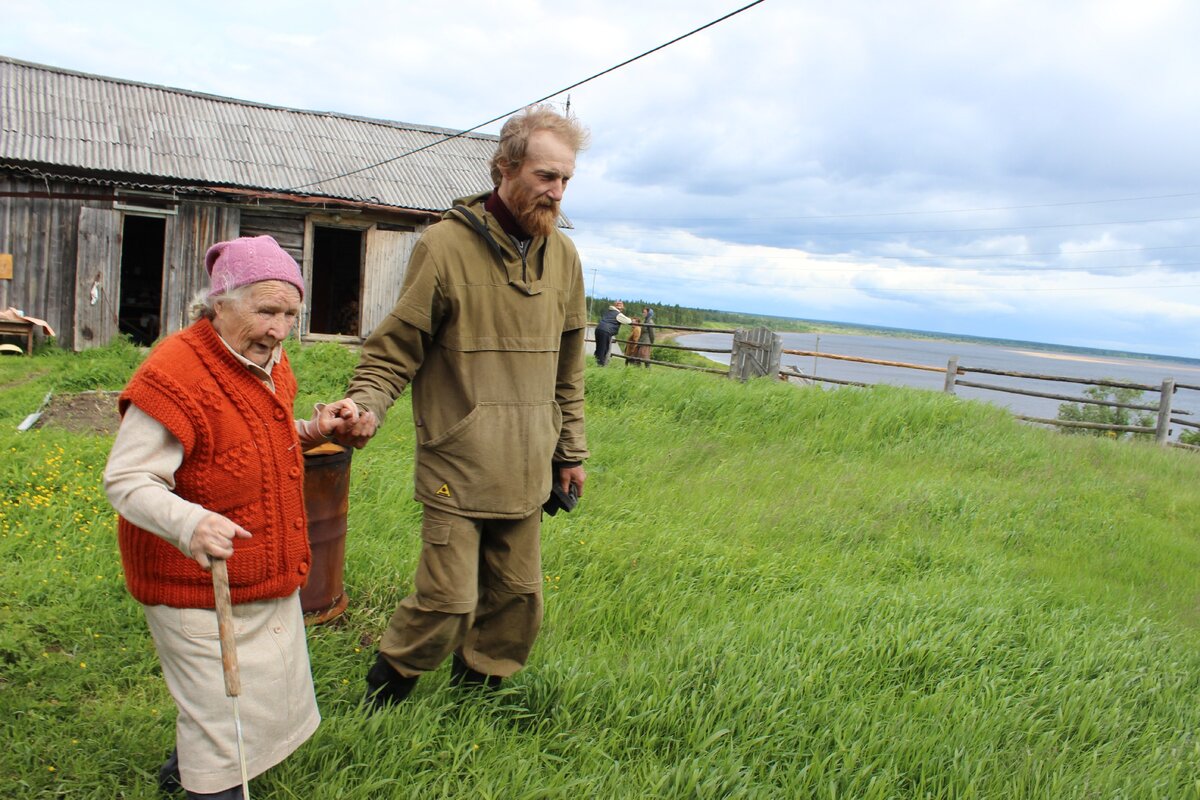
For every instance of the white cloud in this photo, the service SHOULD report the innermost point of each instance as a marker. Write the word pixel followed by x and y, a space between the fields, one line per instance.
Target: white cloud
pixel 879 163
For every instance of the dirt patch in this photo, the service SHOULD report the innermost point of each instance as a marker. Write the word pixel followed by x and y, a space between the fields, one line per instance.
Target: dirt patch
pixel 86 412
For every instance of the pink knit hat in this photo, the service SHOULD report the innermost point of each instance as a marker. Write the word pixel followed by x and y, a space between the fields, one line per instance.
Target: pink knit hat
pixel 249 260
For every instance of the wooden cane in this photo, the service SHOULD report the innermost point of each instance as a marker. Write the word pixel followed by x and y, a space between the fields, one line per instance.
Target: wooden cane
pixel 229 659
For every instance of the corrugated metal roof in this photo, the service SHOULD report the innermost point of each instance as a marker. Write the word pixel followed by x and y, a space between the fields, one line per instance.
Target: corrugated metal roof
pixel 64 119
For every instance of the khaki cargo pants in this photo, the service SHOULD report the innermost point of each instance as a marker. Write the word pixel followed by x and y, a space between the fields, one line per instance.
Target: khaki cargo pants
pixel 478 591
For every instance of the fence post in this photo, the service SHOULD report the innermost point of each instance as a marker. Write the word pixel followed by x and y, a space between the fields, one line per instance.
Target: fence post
pixel 1164 411
pixel 951 374
pixel 755 353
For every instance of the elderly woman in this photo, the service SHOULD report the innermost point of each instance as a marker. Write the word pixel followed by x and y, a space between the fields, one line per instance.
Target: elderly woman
pixel 207 464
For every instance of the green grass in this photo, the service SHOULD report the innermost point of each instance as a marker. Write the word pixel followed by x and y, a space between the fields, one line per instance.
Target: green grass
pixel 768 591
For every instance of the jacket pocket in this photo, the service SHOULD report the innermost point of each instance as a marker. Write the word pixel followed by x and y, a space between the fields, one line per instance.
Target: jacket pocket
pixel 496 460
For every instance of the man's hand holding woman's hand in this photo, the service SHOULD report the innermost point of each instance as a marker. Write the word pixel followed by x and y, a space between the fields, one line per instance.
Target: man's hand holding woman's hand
pixel 334 419
pixel 356 430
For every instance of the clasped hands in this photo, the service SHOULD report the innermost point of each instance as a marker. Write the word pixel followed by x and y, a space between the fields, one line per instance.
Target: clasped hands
pixel 345 423
pixel 348 425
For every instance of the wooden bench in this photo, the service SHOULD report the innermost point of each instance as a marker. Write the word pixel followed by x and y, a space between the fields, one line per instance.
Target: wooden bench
pixel 19 329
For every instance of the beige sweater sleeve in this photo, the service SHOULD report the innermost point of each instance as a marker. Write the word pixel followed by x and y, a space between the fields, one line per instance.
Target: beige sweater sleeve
pixel 140 480
pixel 140 476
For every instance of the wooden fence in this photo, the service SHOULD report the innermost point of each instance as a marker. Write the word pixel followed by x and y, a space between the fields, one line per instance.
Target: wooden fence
pixel 756 353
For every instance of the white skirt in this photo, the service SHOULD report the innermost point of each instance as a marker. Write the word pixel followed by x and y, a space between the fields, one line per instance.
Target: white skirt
pixel 277 704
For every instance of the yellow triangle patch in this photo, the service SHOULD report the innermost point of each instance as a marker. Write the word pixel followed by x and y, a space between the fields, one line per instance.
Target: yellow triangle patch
pixel 444 491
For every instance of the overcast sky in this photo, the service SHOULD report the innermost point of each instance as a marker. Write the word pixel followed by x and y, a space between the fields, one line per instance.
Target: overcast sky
pixel 1026 170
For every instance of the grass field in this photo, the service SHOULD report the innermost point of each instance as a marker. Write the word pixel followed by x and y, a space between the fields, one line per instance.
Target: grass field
pixel 767 592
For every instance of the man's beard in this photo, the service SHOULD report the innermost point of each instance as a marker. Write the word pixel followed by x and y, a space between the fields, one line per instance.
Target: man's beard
pixel 538 216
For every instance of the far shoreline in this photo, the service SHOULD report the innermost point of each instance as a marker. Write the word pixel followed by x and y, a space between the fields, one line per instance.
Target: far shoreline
pixel 1063 351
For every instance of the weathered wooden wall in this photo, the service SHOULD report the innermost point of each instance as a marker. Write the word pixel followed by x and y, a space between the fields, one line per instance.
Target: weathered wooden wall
pixel 53 278
pixel 39 226
pixel 287 229
pixel 197 227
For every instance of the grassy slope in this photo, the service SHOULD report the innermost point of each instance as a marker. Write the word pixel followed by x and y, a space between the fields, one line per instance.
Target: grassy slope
pixel 768 591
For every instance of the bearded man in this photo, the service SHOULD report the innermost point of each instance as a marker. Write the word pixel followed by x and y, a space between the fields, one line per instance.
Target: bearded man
pixel 489 329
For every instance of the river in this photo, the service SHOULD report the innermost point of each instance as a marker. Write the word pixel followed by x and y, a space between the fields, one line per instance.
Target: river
pixel 1006 357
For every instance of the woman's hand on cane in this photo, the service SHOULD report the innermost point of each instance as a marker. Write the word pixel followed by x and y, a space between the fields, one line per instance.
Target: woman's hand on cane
pixel 214 537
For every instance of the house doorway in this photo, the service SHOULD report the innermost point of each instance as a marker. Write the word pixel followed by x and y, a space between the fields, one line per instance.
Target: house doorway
pixel 336 281
pixel 142 250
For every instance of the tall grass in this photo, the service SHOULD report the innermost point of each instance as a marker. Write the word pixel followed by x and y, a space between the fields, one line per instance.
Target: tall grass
pixel 766 592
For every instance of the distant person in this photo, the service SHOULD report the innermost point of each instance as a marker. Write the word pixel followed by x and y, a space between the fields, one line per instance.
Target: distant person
pixel 631 341
pixel 207 464
pixel 648 324
pixel 489 329
pixel 637 351
pixel 607 329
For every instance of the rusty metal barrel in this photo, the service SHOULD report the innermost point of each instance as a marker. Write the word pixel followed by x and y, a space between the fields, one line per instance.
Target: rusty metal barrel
pixel 326 499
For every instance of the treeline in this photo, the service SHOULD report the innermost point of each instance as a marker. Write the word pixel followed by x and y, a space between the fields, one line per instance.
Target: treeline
pixel 665 314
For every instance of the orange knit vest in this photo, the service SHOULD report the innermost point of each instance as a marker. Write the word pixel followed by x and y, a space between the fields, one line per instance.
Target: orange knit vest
pixel 241 459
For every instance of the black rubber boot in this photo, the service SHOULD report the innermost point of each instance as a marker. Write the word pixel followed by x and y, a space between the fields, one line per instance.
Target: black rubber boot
pixel 463 676
pixel 385 686
pixel 168 783
pixel 168 775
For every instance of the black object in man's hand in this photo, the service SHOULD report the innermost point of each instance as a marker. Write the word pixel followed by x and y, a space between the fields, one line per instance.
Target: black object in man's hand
pixel 560 500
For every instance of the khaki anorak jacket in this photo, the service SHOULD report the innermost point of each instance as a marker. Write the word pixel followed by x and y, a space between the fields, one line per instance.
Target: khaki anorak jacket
pixel 492 342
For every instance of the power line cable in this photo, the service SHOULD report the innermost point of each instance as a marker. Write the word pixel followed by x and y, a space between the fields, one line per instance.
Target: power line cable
pixel 577 84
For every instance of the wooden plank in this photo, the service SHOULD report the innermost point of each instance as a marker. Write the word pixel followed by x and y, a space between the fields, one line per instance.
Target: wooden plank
pixel 951 375
pixel 288 230
pixel 1067 397
pixel 383 273
pixel 197 227
pixel 1164 412
pixel 1145 387
pixel 670 364
pixel 836 357
pixel 824 380
pixel 97 279
pixel 678 347
pixel 1099 426
pixel 52 280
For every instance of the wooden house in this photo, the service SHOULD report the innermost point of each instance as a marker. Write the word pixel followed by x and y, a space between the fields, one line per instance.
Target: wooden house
pixel 111 191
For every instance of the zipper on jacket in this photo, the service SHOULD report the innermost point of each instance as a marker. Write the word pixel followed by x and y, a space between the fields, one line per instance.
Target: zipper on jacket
pixel 478 225
pixel 523 249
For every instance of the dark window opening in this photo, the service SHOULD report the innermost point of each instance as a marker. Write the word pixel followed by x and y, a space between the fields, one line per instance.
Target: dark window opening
pixel 142 248
pixel 336 281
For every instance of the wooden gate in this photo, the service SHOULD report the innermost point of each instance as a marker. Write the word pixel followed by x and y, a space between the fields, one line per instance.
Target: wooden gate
pixel 755 354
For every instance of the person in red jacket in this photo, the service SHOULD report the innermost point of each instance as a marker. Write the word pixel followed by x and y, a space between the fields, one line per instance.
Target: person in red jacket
pixel 207 463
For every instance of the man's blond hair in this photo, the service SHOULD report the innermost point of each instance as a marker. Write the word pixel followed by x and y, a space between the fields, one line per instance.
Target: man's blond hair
pixel 514 136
